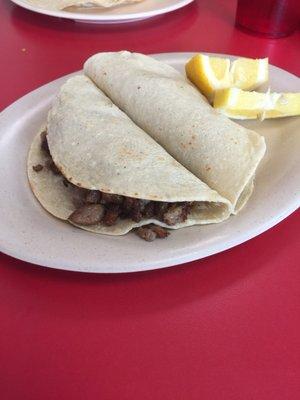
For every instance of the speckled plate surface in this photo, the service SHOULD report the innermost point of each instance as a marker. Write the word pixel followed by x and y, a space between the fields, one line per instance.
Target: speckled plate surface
pixel 121 14
pixel 31 234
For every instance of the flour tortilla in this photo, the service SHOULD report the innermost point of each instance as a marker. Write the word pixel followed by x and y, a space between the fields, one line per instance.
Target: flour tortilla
pixel 97 147
pixel 62 4
pixel 169 108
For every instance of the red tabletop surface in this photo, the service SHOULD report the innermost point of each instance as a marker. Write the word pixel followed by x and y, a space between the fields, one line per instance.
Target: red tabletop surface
pixel 226 327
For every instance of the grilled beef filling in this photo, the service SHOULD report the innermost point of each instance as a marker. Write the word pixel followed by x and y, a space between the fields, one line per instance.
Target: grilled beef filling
pixel 93 206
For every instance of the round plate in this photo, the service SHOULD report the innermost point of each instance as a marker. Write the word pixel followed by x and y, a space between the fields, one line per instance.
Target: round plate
pixel 121 14
pixel 31 234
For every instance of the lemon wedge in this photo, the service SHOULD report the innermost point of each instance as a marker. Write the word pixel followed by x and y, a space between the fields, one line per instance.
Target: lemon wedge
pixel 240 104
pixel 211 74
pixel 249 74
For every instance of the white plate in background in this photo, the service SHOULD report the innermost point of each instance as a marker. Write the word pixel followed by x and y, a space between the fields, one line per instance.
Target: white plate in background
pixel 29 233
pixel 121 14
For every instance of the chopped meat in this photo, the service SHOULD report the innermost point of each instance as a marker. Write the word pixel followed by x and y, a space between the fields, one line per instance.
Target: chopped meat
pixel 93 197
pixel 52 167
pixel 107 198
pixel 151 232
pixel 176 214
pixel 111 215
pixel 44 142
pixel 136 212
pixel 160 208
pixel 146 233
pixel 144 203
pixel 136 215
pixel 133 208
pixel 161 232
pixel 128 204
pixel 123 214
pixel 78 201
pixel 37 168
pixel 187 209
pixel 87 215
pixel 79 195
pixel 149 210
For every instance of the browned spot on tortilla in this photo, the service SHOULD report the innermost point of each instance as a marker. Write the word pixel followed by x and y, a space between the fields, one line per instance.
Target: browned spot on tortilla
pixel 190 143
pixel 37 168
pixel 183 145
pixel 136 194
pixel 104 73
pixel 207 168
pixel 138 87
pixel 124 152
pixel 193 136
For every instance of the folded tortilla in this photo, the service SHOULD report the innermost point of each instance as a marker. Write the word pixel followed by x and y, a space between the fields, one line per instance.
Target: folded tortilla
pixel 62 4
pixel 96 146
pixel 168 107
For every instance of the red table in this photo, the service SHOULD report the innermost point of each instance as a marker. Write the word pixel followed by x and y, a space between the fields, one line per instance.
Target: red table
pixel 226 327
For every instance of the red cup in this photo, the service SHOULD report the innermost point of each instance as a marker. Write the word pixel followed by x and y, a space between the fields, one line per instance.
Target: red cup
pixel 270 18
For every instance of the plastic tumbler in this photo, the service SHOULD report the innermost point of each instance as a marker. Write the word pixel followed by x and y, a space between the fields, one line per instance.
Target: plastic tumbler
pixel 271 18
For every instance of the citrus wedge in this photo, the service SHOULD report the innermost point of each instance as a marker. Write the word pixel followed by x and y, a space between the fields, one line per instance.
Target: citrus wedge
pixel 211 74
pixel 249 74
pixel 240 104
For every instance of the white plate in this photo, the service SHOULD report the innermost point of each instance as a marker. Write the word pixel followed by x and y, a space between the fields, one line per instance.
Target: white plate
pixel 31 234
pixel 121 14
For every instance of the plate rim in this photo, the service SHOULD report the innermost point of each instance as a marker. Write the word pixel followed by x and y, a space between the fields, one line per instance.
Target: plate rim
pixel 129 17
pixel 166 261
